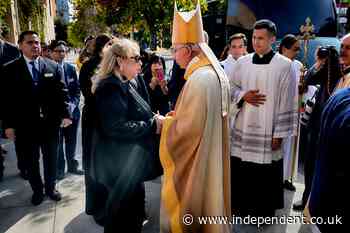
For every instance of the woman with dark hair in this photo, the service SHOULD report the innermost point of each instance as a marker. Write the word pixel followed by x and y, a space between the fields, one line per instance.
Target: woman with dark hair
pixel 326 73
pixel 85 54
pixel 157 84
pixel 95 193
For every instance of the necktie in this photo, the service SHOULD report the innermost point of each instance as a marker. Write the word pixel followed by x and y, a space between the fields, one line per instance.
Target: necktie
pixel 64 75
pixel 35 72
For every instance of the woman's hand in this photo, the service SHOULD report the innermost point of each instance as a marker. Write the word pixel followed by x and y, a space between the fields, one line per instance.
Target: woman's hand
pixel 163 86
pixel 154 82
pixel 319 63
pixel 159 120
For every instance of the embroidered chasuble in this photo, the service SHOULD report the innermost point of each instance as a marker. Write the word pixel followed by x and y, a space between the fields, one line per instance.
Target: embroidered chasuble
pixel 194 153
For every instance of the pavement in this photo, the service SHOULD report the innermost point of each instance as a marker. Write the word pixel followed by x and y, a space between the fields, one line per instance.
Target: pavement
pixel 17 215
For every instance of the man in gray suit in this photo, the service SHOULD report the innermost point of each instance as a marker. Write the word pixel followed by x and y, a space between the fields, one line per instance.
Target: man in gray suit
pixel 68 135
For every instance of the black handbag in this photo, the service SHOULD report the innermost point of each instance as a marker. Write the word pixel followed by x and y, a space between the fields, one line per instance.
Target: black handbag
pixel 153 168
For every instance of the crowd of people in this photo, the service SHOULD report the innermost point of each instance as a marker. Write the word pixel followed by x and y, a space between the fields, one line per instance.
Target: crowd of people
pixel 224 135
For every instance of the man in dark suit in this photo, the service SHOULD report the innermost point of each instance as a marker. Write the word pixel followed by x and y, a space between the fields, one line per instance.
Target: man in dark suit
pixel 68 135
pixel 35 110
pixel 328 194
pixel 8 52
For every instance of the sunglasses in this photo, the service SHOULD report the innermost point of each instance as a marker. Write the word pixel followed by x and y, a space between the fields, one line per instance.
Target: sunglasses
pixel 59 51
pixel 136 58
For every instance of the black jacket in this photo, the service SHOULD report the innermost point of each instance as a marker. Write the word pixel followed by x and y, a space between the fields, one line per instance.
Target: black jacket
pixel 319 77
pixel 8 52
pixel 29 106
pixel 124 140
pixel 159 101
pixel 87 71
pixel 176 84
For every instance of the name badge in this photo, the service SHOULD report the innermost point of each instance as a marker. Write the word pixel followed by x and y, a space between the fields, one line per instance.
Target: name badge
pixel 48 75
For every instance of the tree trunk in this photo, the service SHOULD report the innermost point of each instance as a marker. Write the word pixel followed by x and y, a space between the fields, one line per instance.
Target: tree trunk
pixel 153 39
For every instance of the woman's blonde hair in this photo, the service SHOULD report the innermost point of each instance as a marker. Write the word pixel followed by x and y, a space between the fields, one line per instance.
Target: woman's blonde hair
pixel 121 47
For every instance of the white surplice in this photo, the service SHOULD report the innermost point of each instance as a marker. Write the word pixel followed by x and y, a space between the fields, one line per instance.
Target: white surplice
pixel 254 127
pixel 228 65
pixel 290 144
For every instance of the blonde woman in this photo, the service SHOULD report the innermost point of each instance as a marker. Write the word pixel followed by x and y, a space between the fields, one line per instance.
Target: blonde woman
pixel 124 144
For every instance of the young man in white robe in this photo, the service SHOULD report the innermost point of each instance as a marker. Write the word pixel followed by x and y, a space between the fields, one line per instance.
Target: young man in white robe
pixel 290 47
pixel 264 89
pixel 237 48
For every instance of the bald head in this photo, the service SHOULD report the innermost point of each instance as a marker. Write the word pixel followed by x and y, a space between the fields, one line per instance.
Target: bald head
pixel 345 50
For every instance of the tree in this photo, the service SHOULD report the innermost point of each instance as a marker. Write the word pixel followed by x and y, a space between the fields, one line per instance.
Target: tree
pixel 153 17
pixel 88 20
pixel 149 20
pixel 4 9
pixel 60 30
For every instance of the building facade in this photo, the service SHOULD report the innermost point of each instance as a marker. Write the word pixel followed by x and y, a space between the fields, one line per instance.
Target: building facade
pixel 13 21
pixel 64 11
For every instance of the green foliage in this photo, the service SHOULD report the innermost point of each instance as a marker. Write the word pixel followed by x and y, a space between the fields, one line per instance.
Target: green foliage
pixel 4 10
pixel 152 18
pixel 148 20
pixel 186 5
pixel 32 11
pixel 89 19
pixel 75 37
pixel 4 7
pixel 60 30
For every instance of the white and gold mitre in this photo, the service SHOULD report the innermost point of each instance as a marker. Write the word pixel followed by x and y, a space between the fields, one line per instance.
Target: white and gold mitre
pixel 187 26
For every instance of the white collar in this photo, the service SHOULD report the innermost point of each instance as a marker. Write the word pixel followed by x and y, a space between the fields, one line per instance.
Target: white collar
pixel 230 58
pixel 29 60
